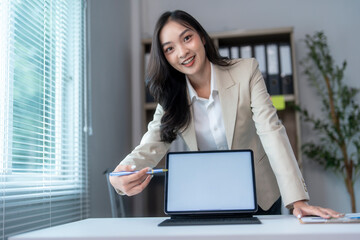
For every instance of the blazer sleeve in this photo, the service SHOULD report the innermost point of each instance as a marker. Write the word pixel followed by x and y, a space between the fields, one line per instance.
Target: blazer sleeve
pixel 151 149
pixel 275 141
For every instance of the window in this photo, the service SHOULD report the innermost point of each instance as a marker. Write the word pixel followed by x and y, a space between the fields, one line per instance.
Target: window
pixel 43 170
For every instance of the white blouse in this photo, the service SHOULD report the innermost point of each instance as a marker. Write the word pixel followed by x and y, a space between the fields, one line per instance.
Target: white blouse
pixel 208 119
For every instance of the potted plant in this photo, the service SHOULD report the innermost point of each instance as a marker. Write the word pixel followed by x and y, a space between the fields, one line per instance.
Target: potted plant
pixel 338 146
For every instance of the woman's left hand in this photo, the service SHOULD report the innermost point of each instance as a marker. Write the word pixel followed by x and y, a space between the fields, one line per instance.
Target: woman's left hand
pixel 302 209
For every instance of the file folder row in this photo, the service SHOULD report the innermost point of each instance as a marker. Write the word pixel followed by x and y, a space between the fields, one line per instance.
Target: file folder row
pixel 274 63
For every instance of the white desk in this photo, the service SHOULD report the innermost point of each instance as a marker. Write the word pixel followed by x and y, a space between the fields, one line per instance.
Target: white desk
pixel 272 227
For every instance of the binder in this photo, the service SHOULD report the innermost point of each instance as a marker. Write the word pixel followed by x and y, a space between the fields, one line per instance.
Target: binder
pixel 259 51
pixel 245 51
pixel 273 69
pixel 234 52
pixel 146 60
pixel 224 52
pixel 148 97
pixel 286 69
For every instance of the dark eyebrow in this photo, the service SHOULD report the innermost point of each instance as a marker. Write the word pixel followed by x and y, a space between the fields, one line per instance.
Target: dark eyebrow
pixel 185 31
pixel 181 34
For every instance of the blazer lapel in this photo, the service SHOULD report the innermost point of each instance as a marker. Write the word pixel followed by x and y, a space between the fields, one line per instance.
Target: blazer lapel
pixel 228 94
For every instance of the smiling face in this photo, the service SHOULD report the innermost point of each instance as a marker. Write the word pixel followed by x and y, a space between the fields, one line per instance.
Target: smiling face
pixel 183 49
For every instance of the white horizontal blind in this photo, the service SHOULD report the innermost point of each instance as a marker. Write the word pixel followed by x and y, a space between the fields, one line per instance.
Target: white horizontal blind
pixel 42 144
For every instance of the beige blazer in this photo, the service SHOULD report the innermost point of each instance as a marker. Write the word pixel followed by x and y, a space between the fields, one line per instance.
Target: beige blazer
pixel 250 122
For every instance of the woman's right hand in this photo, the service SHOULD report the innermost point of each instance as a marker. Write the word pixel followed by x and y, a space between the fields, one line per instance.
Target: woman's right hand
pixel 130 184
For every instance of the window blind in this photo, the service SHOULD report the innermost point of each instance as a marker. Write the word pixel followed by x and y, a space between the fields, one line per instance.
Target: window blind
pixel 42 143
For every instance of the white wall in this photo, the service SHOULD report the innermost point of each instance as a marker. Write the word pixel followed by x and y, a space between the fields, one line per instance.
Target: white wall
pixel 110 76
pixel 339 19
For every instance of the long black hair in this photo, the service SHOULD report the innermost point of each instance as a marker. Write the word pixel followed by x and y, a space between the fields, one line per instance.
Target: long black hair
pixel 166 84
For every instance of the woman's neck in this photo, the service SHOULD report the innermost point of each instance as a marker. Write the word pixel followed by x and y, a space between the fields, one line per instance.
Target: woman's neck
pixel 201 82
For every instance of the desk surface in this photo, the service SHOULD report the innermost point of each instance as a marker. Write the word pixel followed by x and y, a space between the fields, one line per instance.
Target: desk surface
pixel 272 227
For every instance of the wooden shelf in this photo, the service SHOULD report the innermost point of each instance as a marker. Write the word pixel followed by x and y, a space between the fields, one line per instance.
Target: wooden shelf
pixel 150 106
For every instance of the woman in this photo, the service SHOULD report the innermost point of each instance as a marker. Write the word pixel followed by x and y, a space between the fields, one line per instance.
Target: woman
pixel 214 103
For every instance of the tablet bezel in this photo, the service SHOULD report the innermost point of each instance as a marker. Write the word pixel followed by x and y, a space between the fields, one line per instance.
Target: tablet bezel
pixel 212 212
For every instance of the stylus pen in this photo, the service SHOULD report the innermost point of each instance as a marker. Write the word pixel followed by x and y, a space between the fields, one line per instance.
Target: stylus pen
pixel 153 171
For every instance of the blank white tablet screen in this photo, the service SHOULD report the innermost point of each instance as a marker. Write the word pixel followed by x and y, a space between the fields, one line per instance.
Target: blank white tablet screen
pixel 214 181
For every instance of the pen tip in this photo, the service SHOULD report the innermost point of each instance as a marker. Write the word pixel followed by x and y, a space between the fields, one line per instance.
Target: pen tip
pixel 165 170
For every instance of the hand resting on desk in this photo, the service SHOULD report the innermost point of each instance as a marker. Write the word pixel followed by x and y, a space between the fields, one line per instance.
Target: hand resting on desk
pixel 302 209
pixel 130 184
